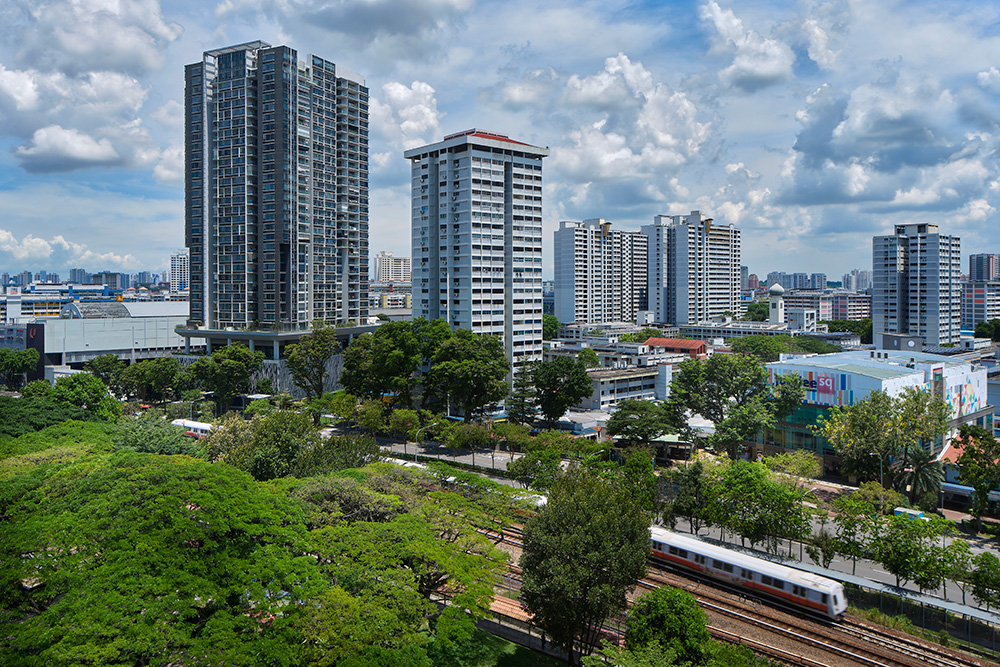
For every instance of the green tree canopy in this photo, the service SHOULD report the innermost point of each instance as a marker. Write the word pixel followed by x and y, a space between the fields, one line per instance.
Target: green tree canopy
pixel 671 617
pixel 151 380
pixel 861 327
pixel 151 432
pixel 979 465
pixel 107 367
pixel 472 369
pixel 589 358
pixel 561 384
pixel 583 552
pixel 640 421
pixel 733 392
pixel 757 311
pixel 307 359
pixel 143 559
pixel 227 371
pixel 641 336
pixel 988 329
pixel 758 508
pixel 522 402
pixel 86 391
pixel 550 327
pixel 15 365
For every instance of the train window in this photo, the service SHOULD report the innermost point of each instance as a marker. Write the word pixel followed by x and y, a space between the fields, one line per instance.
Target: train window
pixel 728 567
pixel 798 590
pixel 717 564
pixel 673 551
pixel 745 573
pixel 682 553
pixel 698 558
pixel 825 598
pixel 778 583
pixel 766 580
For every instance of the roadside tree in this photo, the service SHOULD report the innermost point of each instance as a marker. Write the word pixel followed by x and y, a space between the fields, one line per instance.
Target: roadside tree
pixel 561 384
pixel 227 371
pixel 639 421
pixel 307 360
pixel 583 552
pixel 979 466
pixel 472 370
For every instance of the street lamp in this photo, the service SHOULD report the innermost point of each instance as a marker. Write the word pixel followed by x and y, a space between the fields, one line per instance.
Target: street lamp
pixel 416 438
pixel 880 481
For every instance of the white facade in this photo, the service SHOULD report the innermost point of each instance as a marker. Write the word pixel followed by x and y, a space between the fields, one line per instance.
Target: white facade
pixel 611 386
pixel 917 288
pixel 980 303
pixel 600 273
pixel 391 269
pixel 180 270
pixel 693 268
pixel 477 237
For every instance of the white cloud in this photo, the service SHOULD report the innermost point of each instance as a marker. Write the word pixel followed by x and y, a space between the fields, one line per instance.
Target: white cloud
pixel 403 117
pixel 819 44
pixel 170 115
pixel 758 62
pixel 170 168
pixel 55 148
pixel 77 36
pixel 989 80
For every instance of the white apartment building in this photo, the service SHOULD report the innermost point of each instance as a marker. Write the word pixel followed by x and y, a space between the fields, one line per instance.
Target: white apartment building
pixel 917 288
pixel 180 270
pixel 858 280
pixel 831 304
pixel 477 237
pixel 984 267
pixel 600 273
pixel 980 303
pixel 693 269
pixel 391 269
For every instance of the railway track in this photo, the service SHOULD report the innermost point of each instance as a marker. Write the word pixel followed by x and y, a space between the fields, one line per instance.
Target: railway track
pixel 802 641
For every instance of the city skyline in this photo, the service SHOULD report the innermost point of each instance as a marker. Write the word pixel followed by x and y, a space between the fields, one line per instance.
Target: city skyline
pixel 809 127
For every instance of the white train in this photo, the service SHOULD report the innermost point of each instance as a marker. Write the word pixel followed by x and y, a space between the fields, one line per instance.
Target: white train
pixel 193 428
pixel 802 589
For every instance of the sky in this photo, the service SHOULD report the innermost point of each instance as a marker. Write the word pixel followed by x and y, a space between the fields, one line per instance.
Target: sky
pixel 811 126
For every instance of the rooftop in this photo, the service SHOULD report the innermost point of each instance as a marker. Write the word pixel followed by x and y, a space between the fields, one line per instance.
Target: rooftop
pixel 682 343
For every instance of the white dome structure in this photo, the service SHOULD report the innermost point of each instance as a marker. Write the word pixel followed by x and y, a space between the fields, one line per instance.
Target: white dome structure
pixel 776 290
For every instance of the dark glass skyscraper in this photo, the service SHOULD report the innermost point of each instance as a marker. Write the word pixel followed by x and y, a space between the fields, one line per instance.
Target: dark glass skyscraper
pixel 276 188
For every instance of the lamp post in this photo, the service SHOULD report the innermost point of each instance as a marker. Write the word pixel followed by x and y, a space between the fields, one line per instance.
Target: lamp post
pixel 880 480
pixel 416 438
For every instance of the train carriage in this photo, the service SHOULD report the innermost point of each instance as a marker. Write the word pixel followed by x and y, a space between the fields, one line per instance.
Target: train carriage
pixel 801 589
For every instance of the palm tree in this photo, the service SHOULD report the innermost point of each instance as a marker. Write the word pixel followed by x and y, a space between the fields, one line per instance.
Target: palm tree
pixel 921 473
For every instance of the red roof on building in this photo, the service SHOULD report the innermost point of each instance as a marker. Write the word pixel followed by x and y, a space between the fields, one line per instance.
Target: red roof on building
pixel 676 343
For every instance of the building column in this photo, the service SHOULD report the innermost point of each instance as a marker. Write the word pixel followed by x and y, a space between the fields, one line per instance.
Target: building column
pixel 277 354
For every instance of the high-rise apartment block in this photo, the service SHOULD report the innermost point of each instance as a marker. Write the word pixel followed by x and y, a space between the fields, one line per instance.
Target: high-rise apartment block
pixel 391 269
pixel 858 280
pixel 276 188
pixel 180 270
pixel 984 267
pixel 600 273
pixel 980 303
pixel 917 287
pixel 693 269
pixel 477 237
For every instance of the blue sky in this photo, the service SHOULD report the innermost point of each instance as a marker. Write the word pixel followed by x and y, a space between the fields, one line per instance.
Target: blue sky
pixel 810 125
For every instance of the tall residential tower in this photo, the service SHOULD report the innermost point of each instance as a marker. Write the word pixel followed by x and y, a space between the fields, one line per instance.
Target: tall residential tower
pixel 600 273
pixel 917 284
pixel 477 237
pixel 276 188
pixel 693 269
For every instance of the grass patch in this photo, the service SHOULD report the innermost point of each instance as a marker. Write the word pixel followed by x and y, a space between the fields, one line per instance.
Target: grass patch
pixel 901 624
pixel 486 650
pixel 61 443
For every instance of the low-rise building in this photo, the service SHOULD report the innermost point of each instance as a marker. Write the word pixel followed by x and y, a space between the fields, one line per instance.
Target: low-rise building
pixel 611 386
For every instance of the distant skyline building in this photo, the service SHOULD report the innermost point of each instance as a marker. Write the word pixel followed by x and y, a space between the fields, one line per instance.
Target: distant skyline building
pixel 980 303
pixel 917 286
pixel 477 237
pixel 693 269
pixel 600 273
pixel 857 280
pixel 180 270
pixel 389 268
pixel 984 267
pixel 276 188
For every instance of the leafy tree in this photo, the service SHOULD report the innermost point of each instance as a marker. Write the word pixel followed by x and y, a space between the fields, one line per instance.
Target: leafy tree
pixel 108 368
pixel 920 474
pixel 879 427
pixel 258 406
pixel 15 364
pixel 404 422
pixel 911 549
pixel 979 466
pixel 671 617
pixel 589 358
pixel 959 560
pixel 342 405
pixel 150 560
pixel 757 311
pixel 695 495
pixel 641 336
pixel 756 507
pixel 19 416
pixel 650 655
pixel 538 469
pixel 522 402
pixel 471 368
pixel 371 416
pixel 266 447
pixel 765 348
pixel 561 384
pixel 150 432
pixel 550 326
pixel 855 521
pixel 86 391
pixel 384 363
pixel 986 579
pixel 733 392
pixel 151 380
pixel 511 435
pixel 583 552
pixel 227 371
pixel 861 327
pixel 988 329
pixel 37 389
pixel 639 421
pixel 337 452
pixel 307 359
pixel 799 464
